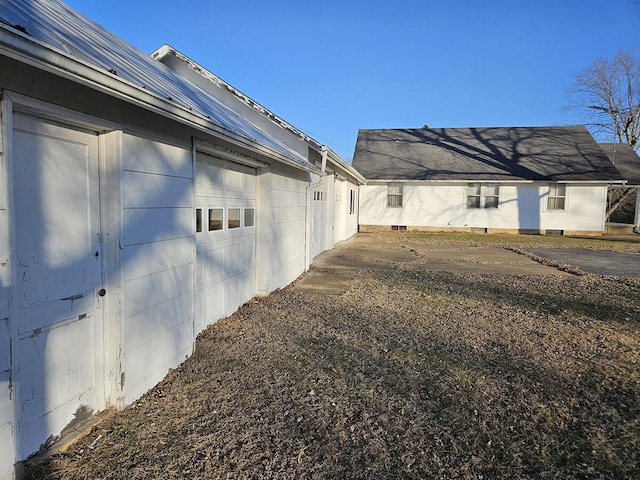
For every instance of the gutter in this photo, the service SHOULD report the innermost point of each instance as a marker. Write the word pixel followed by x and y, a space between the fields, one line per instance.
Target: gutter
pixel 35 53
pixel 373 181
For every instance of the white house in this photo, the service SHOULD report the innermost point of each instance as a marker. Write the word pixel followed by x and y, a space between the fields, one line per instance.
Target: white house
pixel 548 180
pixel 140 201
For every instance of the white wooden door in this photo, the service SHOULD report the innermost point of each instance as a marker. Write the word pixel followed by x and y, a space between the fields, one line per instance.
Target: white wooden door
pixel 319 221
pixel 57 262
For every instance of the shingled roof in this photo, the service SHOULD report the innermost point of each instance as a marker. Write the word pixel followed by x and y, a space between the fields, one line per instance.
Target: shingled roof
pixel 625 159
pixel 566 153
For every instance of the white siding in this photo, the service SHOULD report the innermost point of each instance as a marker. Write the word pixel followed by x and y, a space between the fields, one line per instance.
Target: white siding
pixel 6 410
pixel 286 236
pixel 157 260
pixel 584 209
pixel 346 210
pixel 522 206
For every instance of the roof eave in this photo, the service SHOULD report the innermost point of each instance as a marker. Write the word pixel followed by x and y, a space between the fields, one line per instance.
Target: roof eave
pixel 489 180
pixel 349 169
pixel 37 54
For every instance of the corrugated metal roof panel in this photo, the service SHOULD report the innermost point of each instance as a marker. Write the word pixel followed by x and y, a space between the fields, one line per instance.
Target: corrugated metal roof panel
pixel 64 29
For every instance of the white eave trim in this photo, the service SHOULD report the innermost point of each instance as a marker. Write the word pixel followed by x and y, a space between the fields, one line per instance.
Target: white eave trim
pixel 32 52
pixel 335 159
pixel 577 182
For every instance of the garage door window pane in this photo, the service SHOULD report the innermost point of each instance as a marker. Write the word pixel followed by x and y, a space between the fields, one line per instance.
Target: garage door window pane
pixel 215 219
pixel 234 218
pixel 248 217
pixel 198 219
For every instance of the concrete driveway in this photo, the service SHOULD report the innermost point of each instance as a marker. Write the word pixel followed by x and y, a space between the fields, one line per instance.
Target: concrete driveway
pixel 332 271
pixel 598 262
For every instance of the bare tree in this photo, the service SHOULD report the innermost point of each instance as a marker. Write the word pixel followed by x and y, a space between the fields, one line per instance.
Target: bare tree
pixel 606 96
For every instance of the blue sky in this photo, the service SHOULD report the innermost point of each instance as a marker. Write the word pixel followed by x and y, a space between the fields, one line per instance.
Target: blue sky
pixel 332 67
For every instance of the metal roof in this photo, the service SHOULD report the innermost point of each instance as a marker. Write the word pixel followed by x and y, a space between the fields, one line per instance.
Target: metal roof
pixel 483 154
pixel 65 30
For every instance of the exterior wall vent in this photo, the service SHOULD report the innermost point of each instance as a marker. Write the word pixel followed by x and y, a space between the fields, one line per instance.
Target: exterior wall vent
pixel 402 228
pixel 478 230
pixel 554 232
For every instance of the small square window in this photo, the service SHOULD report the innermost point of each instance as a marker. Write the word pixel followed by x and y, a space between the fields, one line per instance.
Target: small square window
pixel 233 220
pixel 215 219
pixel 249 217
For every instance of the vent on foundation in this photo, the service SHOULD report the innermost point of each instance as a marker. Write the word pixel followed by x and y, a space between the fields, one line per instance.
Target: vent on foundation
pixel 554 232
pixel 402 228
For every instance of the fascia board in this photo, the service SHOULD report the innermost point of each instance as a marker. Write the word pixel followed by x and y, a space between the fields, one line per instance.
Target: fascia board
pixel 590 182
pixel 337 161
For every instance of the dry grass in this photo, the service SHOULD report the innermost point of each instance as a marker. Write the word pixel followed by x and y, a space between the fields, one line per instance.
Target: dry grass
pixel 407 375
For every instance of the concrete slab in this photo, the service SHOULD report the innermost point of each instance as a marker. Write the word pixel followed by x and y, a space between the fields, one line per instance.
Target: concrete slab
pixel 334 270
pixel 326 281
pixel 474 254
pixel 594 261
pixel 497 268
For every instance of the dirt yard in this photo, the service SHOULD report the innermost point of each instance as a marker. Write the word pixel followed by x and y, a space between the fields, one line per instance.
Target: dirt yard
pixel 408 374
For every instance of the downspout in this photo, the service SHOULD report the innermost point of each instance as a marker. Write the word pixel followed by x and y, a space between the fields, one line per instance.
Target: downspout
pixel 637 219
pixel 308 205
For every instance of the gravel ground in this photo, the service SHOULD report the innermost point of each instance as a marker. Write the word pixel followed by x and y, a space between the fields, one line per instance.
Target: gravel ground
pixel 409 374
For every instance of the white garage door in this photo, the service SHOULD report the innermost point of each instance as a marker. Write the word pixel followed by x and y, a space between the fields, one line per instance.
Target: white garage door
pixel 58 275
pixel 225 237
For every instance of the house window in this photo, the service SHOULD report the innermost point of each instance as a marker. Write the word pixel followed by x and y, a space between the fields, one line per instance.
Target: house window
pixel 198 220
pixel 473 195
pixel 491 196
pixel 482 196
pixel 352 202
pixel 557 195
pixel 215 219
pixel 394 195
pixel 233 218
pixel 249 215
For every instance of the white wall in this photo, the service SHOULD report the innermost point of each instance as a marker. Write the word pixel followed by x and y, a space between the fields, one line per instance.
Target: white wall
pixel 7 450
pixel 157 260
pixel 345 215
pixel 522 206
pixel 286 226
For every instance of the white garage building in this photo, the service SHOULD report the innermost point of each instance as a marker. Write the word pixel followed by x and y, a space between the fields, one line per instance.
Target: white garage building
pixel 140 201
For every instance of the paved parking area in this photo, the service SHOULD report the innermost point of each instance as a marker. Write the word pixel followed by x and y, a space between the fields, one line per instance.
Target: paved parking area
pixel 598 262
